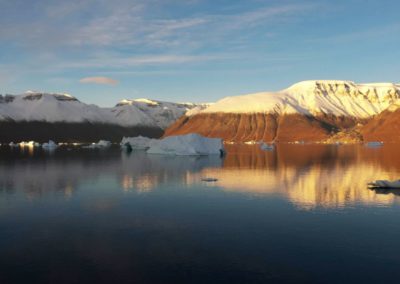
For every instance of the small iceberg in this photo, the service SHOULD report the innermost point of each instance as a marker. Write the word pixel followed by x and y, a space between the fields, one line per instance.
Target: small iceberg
pixel 50 145
pixel 29 144
pixel 102 144
pixel 267 147
pixel 384 184
pixel 186 145
pixel 136 143
pixel 374 144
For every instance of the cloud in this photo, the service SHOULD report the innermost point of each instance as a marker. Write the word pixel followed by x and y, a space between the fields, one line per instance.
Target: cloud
pixel 144 60
pixel 137 23
pixel 99 80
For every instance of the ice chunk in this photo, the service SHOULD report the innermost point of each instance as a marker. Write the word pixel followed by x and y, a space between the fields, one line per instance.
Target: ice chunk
pixel 374 144
pixel 385 184
pixel 28 144
pixel 101 144
pixel 267 147
pixel 190 144
pixel 49 145
pixel 136 143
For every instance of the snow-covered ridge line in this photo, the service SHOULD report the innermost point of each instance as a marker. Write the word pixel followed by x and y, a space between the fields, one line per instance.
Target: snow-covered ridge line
pixel 340 98
pixel 38 106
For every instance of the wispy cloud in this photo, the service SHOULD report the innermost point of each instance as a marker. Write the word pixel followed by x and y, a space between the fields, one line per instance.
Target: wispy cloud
pixel 132 23
pixel 146 60
pixel 99 80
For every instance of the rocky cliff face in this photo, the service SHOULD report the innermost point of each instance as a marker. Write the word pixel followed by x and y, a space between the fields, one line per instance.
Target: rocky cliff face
pixel 307 111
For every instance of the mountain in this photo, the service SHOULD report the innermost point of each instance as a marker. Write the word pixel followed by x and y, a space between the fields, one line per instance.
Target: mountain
pixel 41 116
pixel 150 112
pixel 385 126
pixel 306 111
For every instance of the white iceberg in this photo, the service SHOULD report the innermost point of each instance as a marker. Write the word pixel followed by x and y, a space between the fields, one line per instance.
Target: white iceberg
pixel 49 145
pixel 267 147
pixel 136 143
pixel 385 184
pixel 101 144
pixel 190 144
pixel 28 144
pixel 374 144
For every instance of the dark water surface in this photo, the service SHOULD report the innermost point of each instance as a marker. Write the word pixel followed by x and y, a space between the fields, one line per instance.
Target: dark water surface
pixel 300 214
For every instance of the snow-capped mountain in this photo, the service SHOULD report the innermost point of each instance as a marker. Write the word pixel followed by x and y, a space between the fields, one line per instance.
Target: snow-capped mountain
pixel 150 112
pixel 309 111
pixel 340 98
pixel 34 106
pixel 41 116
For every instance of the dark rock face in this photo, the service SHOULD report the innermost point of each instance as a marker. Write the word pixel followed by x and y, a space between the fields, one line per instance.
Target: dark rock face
pixel 383 127
pixel 240 127
pixel 70 132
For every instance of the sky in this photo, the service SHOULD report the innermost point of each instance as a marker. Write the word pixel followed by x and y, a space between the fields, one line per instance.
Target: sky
pixel 103 51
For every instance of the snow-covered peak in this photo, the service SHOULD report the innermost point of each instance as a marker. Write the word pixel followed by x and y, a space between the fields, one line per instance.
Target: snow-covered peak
pixel 35 96
pixel 146 111
pixel 341 98
pixel 37 106
pixel 56 107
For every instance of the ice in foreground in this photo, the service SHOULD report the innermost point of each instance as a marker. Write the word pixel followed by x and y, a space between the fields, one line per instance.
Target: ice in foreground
pixel 100 144
pixel 267 147
pixel 136 143
pixel 385 184
pixel 49 145
pixel 374 144
pixel 190 144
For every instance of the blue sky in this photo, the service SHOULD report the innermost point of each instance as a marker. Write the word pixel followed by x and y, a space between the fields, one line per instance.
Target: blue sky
pixel 103 51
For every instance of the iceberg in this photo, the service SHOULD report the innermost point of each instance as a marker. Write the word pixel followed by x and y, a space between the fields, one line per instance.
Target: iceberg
pixel 28 144
pixel 374 144
pixel 186 145
pixel 267 147
pixel 100 144
pixel 49 145
pixel 136 143
pixel 384 184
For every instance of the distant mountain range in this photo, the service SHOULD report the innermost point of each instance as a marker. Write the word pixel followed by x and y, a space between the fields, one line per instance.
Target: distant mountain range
pixel 309 111
pixel 316 111
pixel 42 116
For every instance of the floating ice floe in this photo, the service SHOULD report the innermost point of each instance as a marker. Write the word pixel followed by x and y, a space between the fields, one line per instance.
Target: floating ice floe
pixel 100 144
pixel 267 147
pixel 374 144
pixel 190 144
pixel 29 144
pixel 50 145
pixel 136 143
pixel 384 184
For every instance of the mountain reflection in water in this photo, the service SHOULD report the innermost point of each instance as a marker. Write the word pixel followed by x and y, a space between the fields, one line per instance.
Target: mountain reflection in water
pixel 308 176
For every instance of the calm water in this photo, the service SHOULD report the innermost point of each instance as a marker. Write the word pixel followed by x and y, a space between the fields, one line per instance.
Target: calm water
pixel 298 214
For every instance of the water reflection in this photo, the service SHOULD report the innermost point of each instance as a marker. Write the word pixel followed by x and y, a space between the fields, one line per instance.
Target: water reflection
pixel 311 175
pixel 307 176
